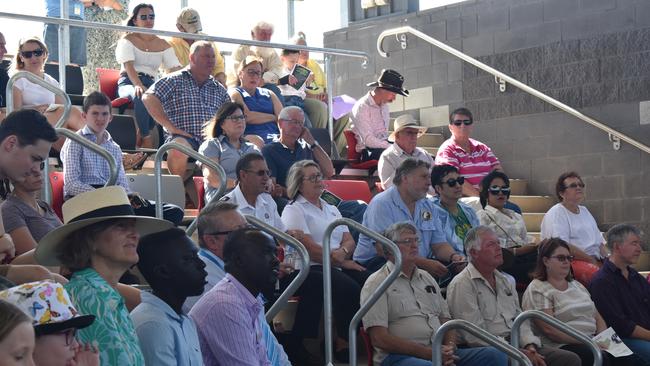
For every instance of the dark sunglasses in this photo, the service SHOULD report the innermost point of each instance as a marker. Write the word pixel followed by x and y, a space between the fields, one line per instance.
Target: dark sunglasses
pixel 260 173
pixel 563 258
pixel 496 189
pixel 452 182
pixel 247 226
pixel 459 122
pixel 575 185
pixel 145 16
pixel 28 54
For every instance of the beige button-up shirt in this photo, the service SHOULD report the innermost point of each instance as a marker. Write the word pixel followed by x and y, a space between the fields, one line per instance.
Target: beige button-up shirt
pixel 470 297
pixel 411 308
pixel 392 157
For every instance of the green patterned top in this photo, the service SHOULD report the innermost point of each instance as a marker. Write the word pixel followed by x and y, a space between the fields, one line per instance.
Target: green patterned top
pixel 113 329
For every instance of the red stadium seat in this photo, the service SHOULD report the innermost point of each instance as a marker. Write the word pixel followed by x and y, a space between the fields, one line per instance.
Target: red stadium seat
pixel 200 191
pixel 349 190
pixel 108 85
pixel 354 157
pixel 56 183
pixel 583 271
pixel 366 341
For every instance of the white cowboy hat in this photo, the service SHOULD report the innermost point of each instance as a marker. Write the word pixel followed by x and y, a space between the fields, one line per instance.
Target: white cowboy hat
pixel 406 121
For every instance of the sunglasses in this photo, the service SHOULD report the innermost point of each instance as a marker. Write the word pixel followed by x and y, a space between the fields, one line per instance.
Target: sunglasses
pixel 241 117
pixel 28 54
pixel 246 226
pixel 260 173
pixel 496 189
pixel 145 16
pixel 575 185
pixel 459 122
pixel 563 258
pixel 314 178
pixel 452 182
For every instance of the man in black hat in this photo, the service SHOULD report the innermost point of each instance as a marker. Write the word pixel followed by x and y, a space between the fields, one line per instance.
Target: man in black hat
pixel 370 115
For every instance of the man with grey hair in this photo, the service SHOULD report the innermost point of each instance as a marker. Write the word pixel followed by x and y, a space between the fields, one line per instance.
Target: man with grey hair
pixel 402 322
pixel 485 297
pixel 621 294
pixel 406 201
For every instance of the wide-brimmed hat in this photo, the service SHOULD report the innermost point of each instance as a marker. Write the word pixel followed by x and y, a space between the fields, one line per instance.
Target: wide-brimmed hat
pixel 89 208
pixel 190 20
pixel 406 121
pixel 391 80
pixel 49 306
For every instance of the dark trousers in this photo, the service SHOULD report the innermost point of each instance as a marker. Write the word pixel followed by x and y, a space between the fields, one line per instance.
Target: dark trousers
pixel 171 212
pixel 587 357
pixel 371 153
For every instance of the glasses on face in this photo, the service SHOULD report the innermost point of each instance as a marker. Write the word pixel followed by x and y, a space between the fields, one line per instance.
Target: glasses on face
pixel 28 54
pixel 145 17
pixel 452 182
pixel 575 185
pixel 458 122
pixel 70 335
pixel 260 173
pixel 253 73
pixel 496 189
pixel 314 178
pixel 227 232
pixel 409 241
pixel 563 258
pixel 241 117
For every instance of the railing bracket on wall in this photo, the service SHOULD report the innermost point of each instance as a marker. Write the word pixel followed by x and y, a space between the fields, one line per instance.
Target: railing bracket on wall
pixel 616 142
pixel 501 82
pixel 401 38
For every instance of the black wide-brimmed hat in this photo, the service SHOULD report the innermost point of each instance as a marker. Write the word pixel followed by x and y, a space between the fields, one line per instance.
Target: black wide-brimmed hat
pixel 391 80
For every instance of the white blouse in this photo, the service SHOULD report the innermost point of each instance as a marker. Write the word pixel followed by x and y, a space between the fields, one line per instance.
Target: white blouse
pixel 34 94
pixel 578 229
pixel 143 61
pixel 507 224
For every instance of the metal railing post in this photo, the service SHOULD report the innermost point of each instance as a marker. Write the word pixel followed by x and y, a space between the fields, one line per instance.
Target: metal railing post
pixel 302 273
pixel 63 32
pixel 536 314
pixel 330 107
pixel 436 343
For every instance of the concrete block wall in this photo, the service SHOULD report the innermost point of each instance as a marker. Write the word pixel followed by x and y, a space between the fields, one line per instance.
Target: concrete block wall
pixel 591 54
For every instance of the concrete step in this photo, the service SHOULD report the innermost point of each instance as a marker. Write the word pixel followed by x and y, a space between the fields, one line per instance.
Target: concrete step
pixel 533 221
pixel 518 187
pixel 431 140
pixel 533 203
pixel 644 262
pixel 431 150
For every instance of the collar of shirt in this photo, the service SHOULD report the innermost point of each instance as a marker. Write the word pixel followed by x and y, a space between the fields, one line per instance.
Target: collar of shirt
pixel 499 279
pixel 397 201
pixel 96 281
pixel 472 143
pixel 398 151
pixel 610 267
pixel 90 135
pixel 186 72
pixel 223 139
pixel 211 257
pixel 300 144
pixel 303 201
pixel 251 302
pixel 155 301
pixel 390 266
pixel 370 101
pixel 241 200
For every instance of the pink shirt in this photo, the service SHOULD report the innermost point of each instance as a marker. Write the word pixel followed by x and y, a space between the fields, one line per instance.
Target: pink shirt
pixel 370 123
pixel 475 165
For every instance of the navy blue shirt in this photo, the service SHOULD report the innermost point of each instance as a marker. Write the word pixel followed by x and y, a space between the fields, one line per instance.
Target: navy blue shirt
pixel 280 158
pixel 623 303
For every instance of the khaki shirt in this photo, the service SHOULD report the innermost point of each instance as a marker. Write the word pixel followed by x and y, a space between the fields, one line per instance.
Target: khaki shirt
pixel 411 308
pixel 470 297
pixel 182 51
pixel 392 157
pixel 271 63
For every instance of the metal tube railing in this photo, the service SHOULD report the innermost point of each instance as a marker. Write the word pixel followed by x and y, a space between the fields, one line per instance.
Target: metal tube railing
pixel 436 343
pixel 536 314
pixel 327 285
pixel 304 269
pixel 191 153
pixel 614 135
pixel 63 33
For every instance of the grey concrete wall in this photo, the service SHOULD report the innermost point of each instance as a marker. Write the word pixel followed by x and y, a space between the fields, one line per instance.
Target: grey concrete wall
pixel 591 54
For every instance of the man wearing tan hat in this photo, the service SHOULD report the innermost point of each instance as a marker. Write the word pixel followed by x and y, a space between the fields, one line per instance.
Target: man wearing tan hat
pixel 405 137
pixel 189 21
pixel 370 114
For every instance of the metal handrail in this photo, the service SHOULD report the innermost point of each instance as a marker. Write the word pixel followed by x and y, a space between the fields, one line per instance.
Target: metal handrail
pixel 615 136
pixel 327 285
pixel 529 314
pixel 189 152
pixel 436 342
pixel 304 269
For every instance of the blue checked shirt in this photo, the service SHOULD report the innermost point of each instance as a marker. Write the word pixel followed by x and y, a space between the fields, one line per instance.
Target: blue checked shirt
pixel 83 168
pixel 188 105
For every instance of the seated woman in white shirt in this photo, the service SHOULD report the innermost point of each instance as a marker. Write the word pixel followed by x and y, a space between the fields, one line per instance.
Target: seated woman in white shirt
pixel 141 56
pixel 310 214
pixel 31 56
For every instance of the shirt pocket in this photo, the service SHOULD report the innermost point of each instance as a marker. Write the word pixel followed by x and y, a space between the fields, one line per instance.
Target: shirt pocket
pixel 487 304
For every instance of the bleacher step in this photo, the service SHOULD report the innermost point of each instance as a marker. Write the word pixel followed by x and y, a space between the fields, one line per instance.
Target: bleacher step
pixel 643 264
pixel 518 187
pixel 431 140
pixel 533 221
pixel 533 203
pixel 431 150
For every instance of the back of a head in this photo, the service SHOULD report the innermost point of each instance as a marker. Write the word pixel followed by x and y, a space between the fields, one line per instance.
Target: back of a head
pixel 207 221
pixel 29 126
pixel 96 98
pixel 239 243
pixel 157 249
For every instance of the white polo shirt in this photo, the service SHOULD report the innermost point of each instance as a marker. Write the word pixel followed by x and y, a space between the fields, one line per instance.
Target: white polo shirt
pixel 265 208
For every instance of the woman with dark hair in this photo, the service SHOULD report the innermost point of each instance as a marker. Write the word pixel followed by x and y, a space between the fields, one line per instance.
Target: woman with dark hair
pixel 16 336
pixel 555 292
pixel 141 55
pixel 225 144
pixel 519 249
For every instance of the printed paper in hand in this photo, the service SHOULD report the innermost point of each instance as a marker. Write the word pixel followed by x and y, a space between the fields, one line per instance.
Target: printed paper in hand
pixel 609 341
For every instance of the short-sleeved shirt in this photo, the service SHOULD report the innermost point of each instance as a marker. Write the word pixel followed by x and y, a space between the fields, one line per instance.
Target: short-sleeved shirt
pixel 227 155
pixel 388 208
pixel 261 101
pixel 189 105
pixel 509 226
pixel 16 214
pixel 182 50
pixel 34 94
pixel 370 123
pixel 112 329
pixel 265 207
pixel 578 229
pixel 166 337
pixel 392 157
pixel 475 165
pixel 456 227
pixel 572 306
pixel 280 158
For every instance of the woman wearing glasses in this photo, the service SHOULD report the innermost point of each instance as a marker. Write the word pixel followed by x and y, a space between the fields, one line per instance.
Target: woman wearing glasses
pixel 519 249
pixel 141 55
pixel 261 106
pixel 31 56
pixel 555 292
pixel 225 144
pixel 308 213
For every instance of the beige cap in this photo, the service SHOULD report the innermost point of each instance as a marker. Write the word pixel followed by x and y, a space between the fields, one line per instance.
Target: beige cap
pixel 190 20
pixel 406 121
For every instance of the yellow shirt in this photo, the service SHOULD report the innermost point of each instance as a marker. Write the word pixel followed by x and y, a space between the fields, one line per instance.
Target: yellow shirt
pixel 182 50
pixel 320 83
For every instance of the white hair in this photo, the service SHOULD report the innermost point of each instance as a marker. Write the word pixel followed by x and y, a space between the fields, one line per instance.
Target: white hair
pixel 473 238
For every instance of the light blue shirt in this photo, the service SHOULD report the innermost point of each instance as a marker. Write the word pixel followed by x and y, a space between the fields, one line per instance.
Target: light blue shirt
pixel 387 208
pixel 166 337
pixel 448 224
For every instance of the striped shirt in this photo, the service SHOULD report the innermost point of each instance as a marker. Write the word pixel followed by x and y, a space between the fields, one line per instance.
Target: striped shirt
pixel 572 306
pixel 475 165
pixel 370 123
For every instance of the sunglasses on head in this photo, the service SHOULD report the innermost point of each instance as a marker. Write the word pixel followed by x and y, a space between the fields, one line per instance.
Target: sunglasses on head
pixel 458 122
pixel 145 16
pixel 452 182
pixel 496 189
pixel 28 54
pixel 575 185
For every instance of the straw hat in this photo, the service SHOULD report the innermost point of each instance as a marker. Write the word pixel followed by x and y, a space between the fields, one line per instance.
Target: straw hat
pixel 406 121
pixel 49 306
pixel 89 208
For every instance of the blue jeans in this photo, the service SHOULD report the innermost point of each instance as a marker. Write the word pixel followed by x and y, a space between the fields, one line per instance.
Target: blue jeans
pixel 294 100
pixel 640 348
pixel 125 89
pixel 77 43
pixel 477 356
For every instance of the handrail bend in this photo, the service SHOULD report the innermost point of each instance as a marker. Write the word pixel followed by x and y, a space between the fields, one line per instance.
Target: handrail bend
pixel 189 152
pixel 614 135
pixel 327 285
pixel 536 314
pixel 436 343
pixel 302 273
